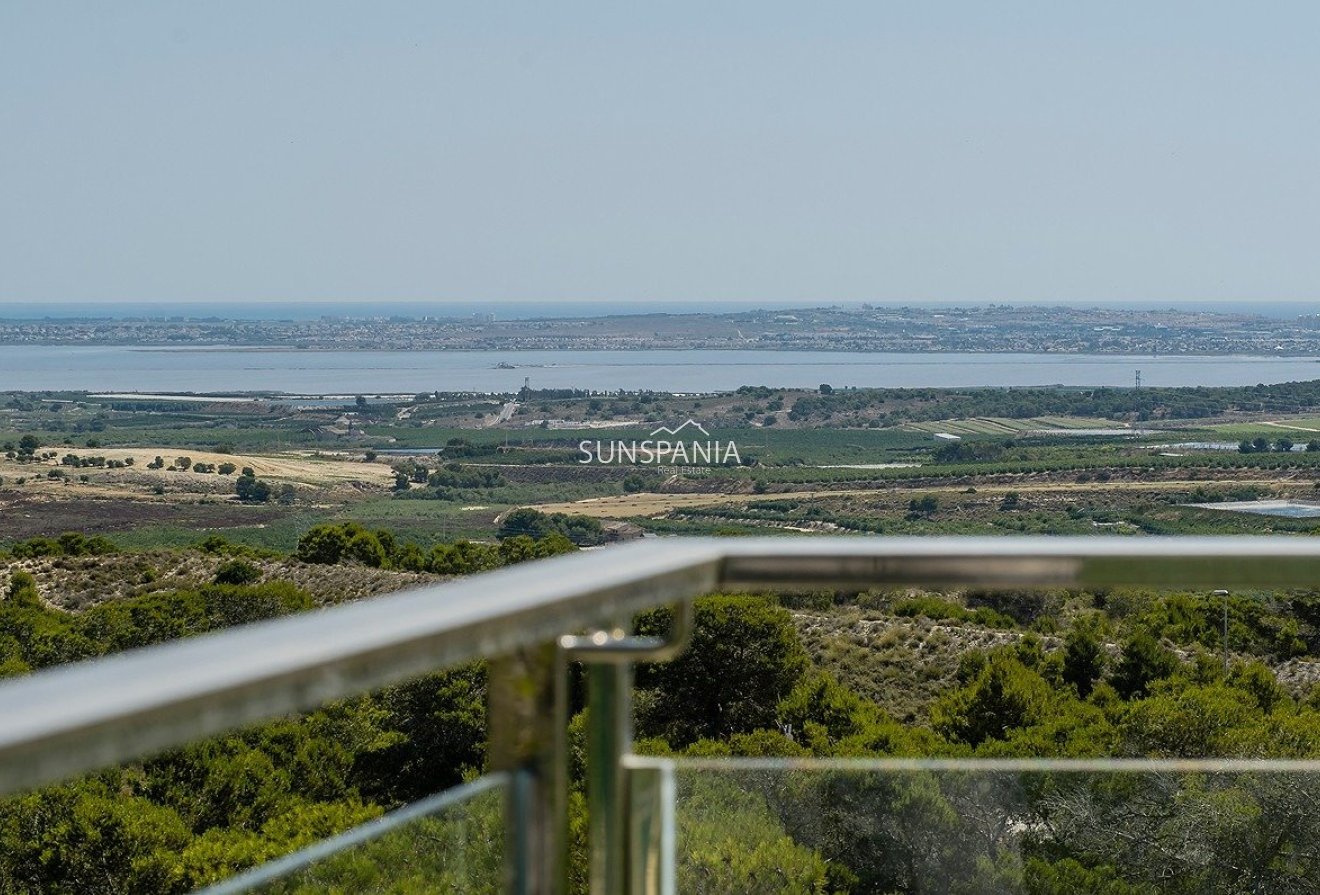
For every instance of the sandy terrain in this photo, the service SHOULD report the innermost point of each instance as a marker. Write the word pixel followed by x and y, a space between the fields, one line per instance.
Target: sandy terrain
pixel 295 467
pixel 140 484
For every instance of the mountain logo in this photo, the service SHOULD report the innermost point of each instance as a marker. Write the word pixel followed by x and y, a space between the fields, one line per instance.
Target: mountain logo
pixel 686 424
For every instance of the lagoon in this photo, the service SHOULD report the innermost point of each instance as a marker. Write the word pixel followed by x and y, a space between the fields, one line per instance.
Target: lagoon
pixel 219 370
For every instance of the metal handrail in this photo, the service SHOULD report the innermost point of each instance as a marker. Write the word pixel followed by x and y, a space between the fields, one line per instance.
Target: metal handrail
pixel 63 721
pixel 67 720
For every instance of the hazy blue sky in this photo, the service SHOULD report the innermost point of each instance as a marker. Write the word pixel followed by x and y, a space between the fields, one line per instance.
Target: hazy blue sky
pixel 769 151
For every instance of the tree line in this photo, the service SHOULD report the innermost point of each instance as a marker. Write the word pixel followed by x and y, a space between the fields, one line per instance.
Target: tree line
pixel 902 404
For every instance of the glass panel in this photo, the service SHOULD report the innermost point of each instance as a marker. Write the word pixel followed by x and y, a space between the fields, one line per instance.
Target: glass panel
pixel 975 828
pixel 452 842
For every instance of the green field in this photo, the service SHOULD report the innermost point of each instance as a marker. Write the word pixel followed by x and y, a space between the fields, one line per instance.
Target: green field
pixel 496 469
pixel 1295 430
pixel 993 425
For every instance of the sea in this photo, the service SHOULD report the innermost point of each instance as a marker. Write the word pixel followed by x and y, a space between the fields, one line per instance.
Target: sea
pixel 332 372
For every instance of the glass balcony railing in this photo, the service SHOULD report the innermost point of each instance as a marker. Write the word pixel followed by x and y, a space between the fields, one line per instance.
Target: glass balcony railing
pixel 719 827
pixel 700 826
pixel 451 842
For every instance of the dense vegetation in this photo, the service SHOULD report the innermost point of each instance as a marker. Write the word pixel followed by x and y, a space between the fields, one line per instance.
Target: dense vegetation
pixel 1022 403
pixel 332 543
pixel 198 814
pixel 991 675
pixel 1121 673
pixel 1139 684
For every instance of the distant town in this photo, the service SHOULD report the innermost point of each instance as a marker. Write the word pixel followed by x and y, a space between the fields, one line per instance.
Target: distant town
pixel 991 328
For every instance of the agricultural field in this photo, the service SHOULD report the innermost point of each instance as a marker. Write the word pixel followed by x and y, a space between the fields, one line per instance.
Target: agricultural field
pixel 129 522
pixel 160 473
pixel 1300 428
pixel 1005 426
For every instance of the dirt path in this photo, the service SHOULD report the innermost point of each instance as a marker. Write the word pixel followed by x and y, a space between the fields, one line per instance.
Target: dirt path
pixel 506 413
pixel 1294 428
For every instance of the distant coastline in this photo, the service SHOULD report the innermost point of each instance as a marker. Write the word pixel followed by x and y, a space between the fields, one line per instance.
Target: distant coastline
pixel 989 329
pixel 130 369
pixel 530 310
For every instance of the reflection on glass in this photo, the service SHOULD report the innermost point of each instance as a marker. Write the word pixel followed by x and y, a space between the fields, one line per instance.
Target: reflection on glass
pixel 453 842
pixel 930 827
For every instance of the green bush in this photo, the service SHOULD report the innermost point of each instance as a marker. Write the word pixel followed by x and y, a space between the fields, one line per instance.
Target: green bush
pixel 237 571
pixel 946 610
pixel 744 658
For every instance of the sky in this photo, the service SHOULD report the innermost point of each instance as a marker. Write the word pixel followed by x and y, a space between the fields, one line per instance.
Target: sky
pixel 679 151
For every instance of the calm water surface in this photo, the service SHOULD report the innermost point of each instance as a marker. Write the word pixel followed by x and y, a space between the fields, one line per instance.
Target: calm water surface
pixel 115 368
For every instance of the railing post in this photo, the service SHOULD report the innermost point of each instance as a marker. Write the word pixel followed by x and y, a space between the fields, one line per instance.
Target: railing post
pixel 609 738
pixel 609 656
pixel 527 708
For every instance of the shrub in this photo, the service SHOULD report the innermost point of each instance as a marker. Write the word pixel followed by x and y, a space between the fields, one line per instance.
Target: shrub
pixel 944 610
pixel 1005 695
pixel 251 489
pixel 323 544
pixel 23 590
pixel 1144 661
pixel 744 659
pixel 581 530
pixel 1084 658
pixel 237 571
